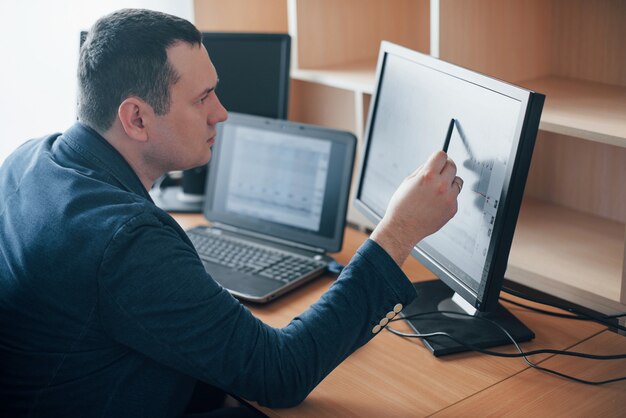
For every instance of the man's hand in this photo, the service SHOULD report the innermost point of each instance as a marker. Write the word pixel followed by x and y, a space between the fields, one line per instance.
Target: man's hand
pixel 421 205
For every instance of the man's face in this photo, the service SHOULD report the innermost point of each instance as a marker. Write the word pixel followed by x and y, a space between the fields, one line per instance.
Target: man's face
pixel 182 138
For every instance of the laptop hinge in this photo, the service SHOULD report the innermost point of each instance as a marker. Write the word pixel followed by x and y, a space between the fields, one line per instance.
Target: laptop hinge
pixel 270 238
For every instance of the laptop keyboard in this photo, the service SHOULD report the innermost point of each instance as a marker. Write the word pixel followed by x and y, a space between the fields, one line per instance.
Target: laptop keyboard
pixel 253 259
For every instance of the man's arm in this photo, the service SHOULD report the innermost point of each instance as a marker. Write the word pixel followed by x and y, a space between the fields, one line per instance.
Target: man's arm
pixel 157 299
pixel 421 205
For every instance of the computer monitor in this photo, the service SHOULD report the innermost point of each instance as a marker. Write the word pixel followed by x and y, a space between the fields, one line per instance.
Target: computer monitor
pixel 253 71
pixel 493 126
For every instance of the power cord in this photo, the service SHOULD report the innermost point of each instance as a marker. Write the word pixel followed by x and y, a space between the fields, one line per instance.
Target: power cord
pixel 576 314
pixel 520 353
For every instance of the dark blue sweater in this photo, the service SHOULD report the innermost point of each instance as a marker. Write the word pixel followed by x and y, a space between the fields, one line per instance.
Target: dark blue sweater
pixel 106 309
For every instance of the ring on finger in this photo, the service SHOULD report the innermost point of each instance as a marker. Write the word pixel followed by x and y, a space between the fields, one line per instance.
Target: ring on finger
pixel 459 183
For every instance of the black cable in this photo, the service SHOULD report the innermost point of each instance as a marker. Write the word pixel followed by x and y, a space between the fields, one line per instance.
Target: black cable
pixel 615 316
pixel 499 354
pixel 543 311
pixel 558 305
pixel 520 353
pixel 562 315
pixel 602 319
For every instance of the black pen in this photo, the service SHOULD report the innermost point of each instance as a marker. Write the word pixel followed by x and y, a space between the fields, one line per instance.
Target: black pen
pixel 448 135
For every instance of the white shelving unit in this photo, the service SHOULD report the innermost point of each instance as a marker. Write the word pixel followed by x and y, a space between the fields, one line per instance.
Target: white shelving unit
pixel 570 238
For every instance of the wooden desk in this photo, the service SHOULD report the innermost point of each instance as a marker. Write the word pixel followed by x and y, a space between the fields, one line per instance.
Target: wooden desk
pixel 396 377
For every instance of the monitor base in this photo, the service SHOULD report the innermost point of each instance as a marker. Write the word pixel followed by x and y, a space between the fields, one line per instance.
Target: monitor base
pixel 435 295
pixel 169 200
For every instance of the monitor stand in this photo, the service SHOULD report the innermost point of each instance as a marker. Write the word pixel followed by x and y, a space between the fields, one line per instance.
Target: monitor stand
pixel 435 295
pixel 187 197
pixel 173 199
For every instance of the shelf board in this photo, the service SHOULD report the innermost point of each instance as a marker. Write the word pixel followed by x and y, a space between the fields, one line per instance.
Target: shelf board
pixel 583 109
pixel 569 254
pixel 357 76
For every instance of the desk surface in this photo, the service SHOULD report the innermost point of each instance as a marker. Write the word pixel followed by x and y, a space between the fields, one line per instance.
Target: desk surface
pixel 391 376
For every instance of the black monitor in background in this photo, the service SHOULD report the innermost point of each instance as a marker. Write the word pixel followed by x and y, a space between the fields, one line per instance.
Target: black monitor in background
pixel 493 126
pixel 253 71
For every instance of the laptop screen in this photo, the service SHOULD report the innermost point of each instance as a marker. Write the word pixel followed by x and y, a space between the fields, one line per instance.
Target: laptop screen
pixel 283 179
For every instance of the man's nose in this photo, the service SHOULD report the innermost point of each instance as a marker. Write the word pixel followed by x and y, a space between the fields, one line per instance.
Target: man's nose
pixel 217 113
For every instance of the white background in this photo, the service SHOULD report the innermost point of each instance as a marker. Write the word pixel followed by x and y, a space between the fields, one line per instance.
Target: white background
pixel 39 42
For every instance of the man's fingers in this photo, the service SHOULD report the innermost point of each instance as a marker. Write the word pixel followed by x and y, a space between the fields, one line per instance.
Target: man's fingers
pixel 457 183
pixel 437 162
pixel 448 171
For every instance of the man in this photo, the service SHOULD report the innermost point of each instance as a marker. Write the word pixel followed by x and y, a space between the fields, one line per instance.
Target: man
pixel 105 307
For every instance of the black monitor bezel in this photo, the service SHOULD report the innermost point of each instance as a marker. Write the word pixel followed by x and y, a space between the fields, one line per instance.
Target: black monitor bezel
pixel 284 40
pixel 284 232
pixel 515 180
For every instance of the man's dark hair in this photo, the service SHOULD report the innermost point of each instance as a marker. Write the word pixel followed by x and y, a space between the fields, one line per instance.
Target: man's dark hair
pixel 125 55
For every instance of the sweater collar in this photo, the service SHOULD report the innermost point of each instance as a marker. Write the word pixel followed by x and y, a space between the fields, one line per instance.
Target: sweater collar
pixel 93 147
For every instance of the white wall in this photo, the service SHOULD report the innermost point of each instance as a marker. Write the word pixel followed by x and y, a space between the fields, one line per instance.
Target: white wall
pixel 39 42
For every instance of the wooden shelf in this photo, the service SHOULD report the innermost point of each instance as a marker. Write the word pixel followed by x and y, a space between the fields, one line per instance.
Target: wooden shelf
pixel 266 16
pixel 356 76
pixel 583 109
pixel 569 50
pixel 329 32
pixel 569 254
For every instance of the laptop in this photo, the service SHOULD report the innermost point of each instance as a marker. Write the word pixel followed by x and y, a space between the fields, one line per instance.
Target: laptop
pixel 276 197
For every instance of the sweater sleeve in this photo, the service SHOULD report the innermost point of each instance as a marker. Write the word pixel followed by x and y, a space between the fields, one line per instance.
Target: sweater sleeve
pixel 156 298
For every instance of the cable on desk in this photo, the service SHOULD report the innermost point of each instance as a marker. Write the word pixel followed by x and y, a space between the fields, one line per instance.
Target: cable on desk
pixel 543 311
pixel 576 314
pixel 520 353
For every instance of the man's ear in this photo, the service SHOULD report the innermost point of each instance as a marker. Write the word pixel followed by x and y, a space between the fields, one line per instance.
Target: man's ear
pixel 132 112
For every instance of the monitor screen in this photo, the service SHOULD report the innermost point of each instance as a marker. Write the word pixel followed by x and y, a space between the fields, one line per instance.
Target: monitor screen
pixel 253 71
pixel 283 179
pixel 493 127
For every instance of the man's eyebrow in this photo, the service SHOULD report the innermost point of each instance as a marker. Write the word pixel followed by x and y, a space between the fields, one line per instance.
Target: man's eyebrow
pixel 209 89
